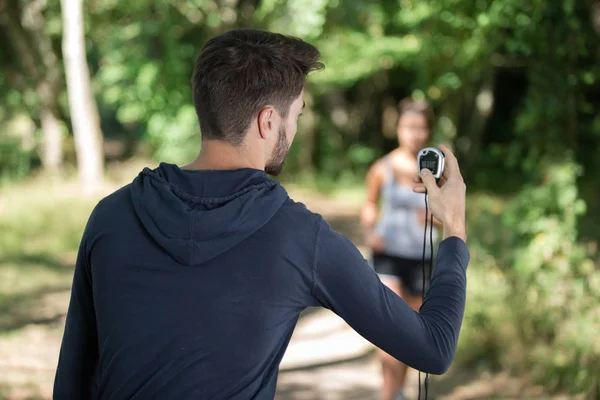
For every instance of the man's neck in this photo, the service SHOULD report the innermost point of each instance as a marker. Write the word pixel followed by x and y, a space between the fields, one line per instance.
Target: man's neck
pixel 220 155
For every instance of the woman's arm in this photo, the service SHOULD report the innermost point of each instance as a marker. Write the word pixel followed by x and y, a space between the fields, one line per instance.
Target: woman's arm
pixel 370 209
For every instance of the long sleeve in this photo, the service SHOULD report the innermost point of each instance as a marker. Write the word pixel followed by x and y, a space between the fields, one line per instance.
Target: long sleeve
pixel 426 340
pixel 79 348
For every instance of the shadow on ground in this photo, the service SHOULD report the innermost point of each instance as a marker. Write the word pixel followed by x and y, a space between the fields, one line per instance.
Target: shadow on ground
pixel 25 307
pixel 44 260
pixel 350 379
pixel 359 379
pixel 18 311
pixel 356 391
pixel 30 393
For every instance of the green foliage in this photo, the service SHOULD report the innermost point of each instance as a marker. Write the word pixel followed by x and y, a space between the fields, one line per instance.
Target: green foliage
pixel 555 281
pixel 488 333
pixel 15 161
pixel 377 52
pixel 488 336
pixel 295 17
pixel 148 85
pixel 17 135
pixel 177 139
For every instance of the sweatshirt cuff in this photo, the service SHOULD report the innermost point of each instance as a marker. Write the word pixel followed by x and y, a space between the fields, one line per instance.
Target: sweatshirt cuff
pixel 454 247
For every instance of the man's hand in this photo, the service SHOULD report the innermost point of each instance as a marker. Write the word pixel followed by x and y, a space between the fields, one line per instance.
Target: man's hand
pixel 446 201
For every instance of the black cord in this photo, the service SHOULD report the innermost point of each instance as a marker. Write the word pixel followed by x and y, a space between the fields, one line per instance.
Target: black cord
pixel 424 273
pixel 431 247
pixel 426 383
pixel 430 277
pixel 425 244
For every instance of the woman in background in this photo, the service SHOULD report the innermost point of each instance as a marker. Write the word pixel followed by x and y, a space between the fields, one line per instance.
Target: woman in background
pixel 395 226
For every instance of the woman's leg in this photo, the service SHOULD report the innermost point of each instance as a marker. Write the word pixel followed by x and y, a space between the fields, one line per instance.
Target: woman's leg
pixel 406 279
pixel 411 291
pixel 393 371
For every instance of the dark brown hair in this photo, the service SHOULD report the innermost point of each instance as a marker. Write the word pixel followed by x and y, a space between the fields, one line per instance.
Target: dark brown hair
pixel 239 72
pixel 422 107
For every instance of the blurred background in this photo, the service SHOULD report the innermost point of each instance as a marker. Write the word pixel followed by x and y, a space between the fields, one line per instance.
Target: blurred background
pixel 94 90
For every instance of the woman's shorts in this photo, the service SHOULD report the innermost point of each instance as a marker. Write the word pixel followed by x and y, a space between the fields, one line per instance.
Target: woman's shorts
pixel 408 271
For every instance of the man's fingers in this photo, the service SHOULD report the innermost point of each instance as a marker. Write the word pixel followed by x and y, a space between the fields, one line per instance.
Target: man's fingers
pixel 429 181
pixel 446 172
pixel 451 163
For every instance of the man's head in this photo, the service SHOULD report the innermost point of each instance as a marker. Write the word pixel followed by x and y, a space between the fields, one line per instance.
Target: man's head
pixel 414 123
pixel 248 91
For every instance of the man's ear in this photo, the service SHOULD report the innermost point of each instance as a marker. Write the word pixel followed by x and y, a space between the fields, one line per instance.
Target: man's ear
pixel 266 121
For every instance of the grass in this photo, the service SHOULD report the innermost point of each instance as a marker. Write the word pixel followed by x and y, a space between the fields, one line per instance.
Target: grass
pixel 42 226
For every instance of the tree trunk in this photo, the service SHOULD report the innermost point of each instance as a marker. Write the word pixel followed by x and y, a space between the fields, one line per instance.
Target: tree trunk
pixel 52 150
pixel 84 112
pixel 595 15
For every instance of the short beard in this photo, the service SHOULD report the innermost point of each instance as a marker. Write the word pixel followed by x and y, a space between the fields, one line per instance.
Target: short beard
pixel 280 152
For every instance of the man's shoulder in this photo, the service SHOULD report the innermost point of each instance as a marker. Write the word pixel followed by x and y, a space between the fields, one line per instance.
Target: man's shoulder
pixel 112 204
pixel 115 199
pixel 298 214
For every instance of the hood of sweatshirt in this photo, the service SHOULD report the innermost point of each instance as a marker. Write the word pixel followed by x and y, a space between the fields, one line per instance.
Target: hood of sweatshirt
pixel 196 216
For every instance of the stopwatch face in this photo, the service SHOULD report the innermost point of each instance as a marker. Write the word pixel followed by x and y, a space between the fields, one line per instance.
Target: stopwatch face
pixel 430 160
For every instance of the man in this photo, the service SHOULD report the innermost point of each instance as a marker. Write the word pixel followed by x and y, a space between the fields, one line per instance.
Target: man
pixel 189 281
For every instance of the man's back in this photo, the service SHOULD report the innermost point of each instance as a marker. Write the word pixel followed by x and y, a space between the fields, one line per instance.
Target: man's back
pixel 197 283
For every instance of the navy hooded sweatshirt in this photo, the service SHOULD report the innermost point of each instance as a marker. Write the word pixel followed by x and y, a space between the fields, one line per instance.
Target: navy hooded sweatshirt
pixel 188 285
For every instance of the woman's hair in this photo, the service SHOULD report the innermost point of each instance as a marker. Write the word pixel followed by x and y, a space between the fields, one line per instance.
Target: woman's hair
pixel 422 107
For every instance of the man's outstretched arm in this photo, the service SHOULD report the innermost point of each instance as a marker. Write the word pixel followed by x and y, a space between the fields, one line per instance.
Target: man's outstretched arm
pixel 79 348
pixel 346 284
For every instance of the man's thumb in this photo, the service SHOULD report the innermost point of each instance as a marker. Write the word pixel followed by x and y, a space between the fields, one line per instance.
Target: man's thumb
pixel 429 181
